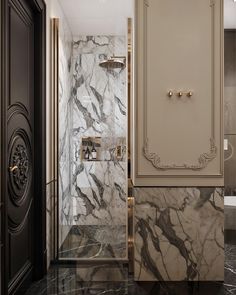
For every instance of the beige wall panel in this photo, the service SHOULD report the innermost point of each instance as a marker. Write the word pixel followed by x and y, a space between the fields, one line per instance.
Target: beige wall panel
pixel 179 47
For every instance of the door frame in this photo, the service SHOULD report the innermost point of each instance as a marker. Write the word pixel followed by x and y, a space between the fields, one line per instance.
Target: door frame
pixel 40 253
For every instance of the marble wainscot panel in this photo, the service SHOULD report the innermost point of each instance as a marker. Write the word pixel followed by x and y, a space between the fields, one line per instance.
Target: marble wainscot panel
pixel 179 234
pixel 99 110
pixel 65 83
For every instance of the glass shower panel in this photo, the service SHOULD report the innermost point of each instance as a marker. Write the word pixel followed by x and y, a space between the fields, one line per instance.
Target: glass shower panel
pixel 63 74
pixel 230 107
pixel 94 204
pixel 230 119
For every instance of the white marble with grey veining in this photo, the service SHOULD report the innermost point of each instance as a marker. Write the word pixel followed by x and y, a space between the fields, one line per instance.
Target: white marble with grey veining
pixel 64 127
pixel 100 103
pixel 97 195
pixel 179 234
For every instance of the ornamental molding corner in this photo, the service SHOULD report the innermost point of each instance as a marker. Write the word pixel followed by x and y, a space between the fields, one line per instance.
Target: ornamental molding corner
pixel 202 162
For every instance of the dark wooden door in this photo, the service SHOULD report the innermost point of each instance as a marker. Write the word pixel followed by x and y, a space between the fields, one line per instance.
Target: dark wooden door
pixel 20 145
pixel 22 138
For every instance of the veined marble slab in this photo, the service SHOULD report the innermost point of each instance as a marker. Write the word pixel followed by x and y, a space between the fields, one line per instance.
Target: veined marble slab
pixel 179 234
pixel 97 194
pixel 64 123
pixel 95 242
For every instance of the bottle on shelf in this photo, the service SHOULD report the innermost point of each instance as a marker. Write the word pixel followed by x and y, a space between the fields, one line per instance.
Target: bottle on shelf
pixel 94 152
pixel 90 156
pixel 87 153
pixel 83 152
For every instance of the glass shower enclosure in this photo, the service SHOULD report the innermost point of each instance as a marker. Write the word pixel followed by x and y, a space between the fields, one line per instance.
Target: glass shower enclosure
pixel 90 103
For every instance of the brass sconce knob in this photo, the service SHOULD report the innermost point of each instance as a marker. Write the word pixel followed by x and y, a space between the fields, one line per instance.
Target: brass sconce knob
pixel 170 93
pixel 190 94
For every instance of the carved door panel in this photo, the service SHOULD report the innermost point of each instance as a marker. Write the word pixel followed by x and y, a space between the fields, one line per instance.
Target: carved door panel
pixel 20 126
pixel 178 106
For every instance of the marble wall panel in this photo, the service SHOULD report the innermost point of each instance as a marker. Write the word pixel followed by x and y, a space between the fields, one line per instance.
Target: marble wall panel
pixel 99 193
pixel 97 196
pixel 179 234
pixel 100 103
pixel 99 109
pixel 64 127
pixel 95 242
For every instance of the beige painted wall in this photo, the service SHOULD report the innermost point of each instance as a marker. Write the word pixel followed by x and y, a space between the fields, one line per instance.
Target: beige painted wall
pixel 178 141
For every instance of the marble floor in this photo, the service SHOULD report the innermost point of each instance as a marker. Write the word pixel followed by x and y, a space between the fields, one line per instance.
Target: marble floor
pixel 109 279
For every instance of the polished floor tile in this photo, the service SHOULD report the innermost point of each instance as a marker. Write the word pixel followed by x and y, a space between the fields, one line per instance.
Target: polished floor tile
pixel 114 279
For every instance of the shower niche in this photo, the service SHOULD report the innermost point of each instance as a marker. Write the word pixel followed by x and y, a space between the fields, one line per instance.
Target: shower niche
pixel 101 149
pixel 90 149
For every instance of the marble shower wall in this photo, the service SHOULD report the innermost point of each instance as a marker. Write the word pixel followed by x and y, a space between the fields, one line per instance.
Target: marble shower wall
pixel 179 234
pixel 98 109
pixel 65 84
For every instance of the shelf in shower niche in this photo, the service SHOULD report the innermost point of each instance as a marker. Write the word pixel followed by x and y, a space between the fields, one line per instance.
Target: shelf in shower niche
pixel 91 160
pixel 117 160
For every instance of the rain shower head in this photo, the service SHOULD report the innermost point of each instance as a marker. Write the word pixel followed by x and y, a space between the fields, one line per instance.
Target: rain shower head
pixel 115 62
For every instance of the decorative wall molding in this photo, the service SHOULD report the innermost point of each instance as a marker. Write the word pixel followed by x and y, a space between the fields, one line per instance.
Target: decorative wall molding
pixel 205 158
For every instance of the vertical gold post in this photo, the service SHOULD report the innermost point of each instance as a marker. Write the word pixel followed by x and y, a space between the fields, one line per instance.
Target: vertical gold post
pixel 54 134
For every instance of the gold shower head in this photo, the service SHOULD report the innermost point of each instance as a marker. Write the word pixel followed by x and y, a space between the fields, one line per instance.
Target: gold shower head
pixel 114 62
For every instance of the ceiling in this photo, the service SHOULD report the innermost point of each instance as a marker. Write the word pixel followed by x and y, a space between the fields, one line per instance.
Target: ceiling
pixel 109 17
pixel 97 17
pixel 230 14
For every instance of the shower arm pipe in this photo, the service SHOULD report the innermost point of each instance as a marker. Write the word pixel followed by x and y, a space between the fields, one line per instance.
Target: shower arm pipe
pixel 118 56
